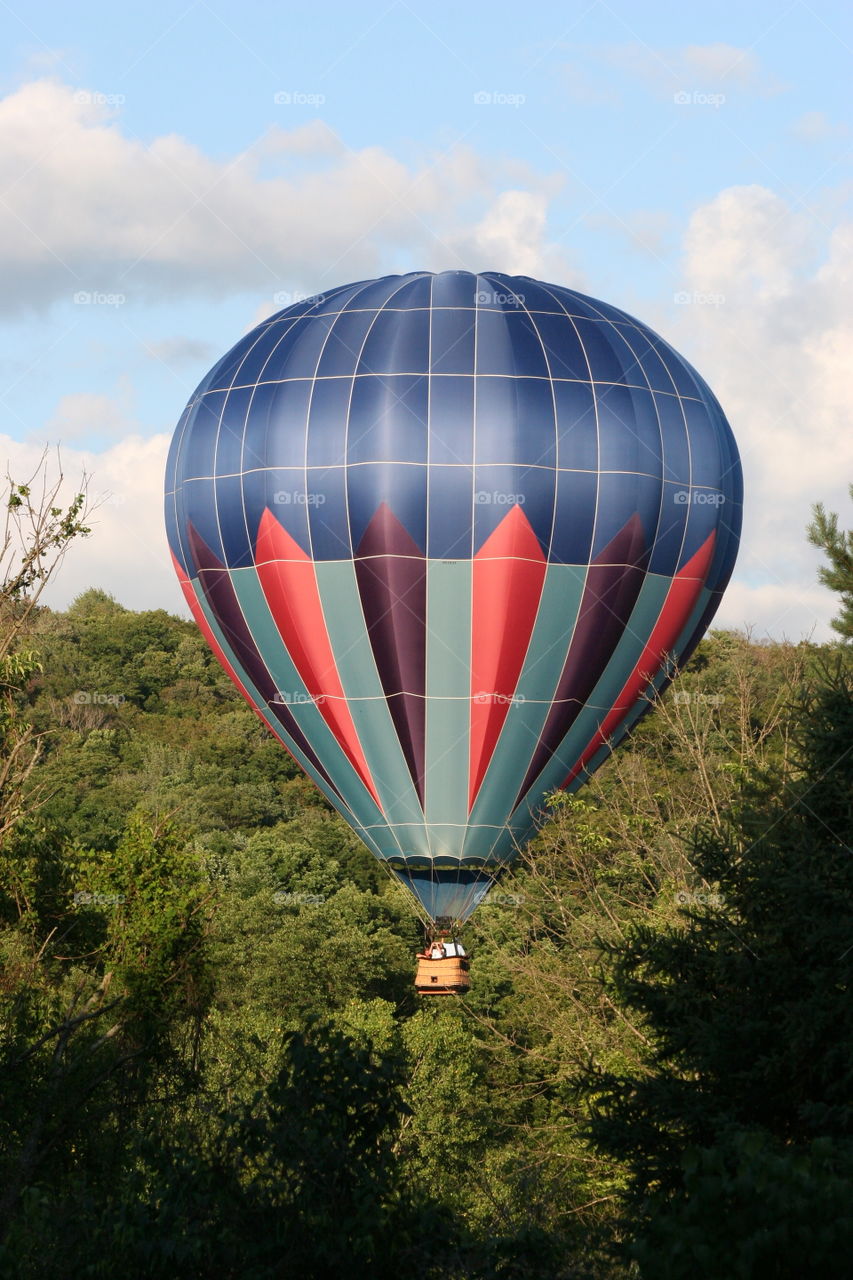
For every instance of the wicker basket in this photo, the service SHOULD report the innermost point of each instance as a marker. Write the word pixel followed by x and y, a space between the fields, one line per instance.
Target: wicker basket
pixel 442 977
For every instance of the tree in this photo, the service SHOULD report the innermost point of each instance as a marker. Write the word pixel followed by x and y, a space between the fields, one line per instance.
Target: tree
pixel 107 1004
pixel 300 1178
pixel 36 533
pixel 738 1134
pixel 613 855
pixel 823 532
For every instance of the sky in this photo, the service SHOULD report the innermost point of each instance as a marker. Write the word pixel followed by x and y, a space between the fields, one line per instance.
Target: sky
pixel 171 174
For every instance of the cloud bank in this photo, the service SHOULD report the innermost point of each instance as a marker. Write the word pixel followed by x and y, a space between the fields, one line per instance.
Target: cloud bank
pixel 765 304
pixel 87 209
pixel 768 320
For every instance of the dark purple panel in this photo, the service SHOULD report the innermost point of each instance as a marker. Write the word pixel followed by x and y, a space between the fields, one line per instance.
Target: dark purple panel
pixel 391 573
pixel 220 595
pixel 612 586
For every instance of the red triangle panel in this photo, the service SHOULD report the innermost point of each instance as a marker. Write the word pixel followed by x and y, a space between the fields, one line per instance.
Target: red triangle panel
pixel 508 577
pixel 289 584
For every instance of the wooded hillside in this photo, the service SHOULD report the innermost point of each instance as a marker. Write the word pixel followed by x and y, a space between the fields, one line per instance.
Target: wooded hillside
pixel 214 1061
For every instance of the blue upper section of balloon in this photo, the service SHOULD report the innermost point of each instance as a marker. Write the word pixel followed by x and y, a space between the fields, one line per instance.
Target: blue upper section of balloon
pixel 460 395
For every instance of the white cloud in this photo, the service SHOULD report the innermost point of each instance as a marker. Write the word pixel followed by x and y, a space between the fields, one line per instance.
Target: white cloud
pixel 87 208
pixel 86 414
pixel 816 126
pixel 648 231
pixel 512 237
pixel 715 63
pixel 587 88
pixel 777 348
pixel 182 351
pixel 695 66
pixel 748 244
pixel 312 139
pixel 776 612
pixel 126 552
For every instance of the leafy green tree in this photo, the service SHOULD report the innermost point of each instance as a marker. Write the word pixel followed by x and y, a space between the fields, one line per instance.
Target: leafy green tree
pixel 450 1117
pixel 300 1178
pixel 295 938
pixel 837 545
pixel 98 1015
pixel 35 534
pixel 738 1132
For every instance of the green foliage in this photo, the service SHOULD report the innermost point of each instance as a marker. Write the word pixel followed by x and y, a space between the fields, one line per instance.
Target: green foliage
pixel 150 899
pixel 139 713
pixel 837 545
pixel 451 1117
pixel 43 531
pixel 96 1017
pixel 213 1058
pixel 752 1206
pixel 301 1177
pixel 747 1003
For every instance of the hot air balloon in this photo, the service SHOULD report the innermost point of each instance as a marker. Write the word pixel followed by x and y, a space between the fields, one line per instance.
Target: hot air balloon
pixel 449 534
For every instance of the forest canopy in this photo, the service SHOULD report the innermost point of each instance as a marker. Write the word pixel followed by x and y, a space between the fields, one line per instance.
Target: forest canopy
pixel 213 1058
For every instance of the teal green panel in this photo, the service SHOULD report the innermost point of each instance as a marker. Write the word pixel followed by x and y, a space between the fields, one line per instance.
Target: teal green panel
pixel 555 624
pixel 448 689
pixel 524 824
pixel 367 837
pixel 402 837
pixel 356 666
pixel 510 761
pixel 510 841
pixel 626 655
pixel 447 840
pixel 287 680
pixel 489 840
pixel 643 618
pixel 552 634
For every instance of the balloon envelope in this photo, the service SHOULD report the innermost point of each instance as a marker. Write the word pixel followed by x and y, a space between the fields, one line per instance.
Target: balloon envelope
pixel 445 533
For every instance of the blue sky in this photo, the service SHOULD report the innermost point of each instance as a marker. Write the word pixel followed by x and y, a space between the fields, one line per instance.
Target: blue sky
pixel 171 173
